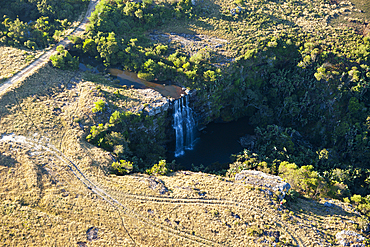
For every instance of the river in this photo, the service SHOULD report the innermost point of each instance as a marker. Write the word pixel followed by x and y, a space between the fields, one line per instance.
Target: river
pixel 214 144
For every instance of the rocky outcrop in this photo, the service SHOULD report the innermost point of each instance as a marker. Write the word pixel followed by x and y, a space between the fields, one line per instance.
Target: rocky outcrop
pixel 273 184
pixel 157 108
pixel 157 103
pixel 350 238
pixel 156 184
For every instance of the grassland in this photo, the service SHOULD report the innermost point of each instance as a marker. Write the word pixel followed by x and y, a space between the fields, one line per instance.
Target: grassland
pixel 14 59
pixel 44 203
pixel 55 186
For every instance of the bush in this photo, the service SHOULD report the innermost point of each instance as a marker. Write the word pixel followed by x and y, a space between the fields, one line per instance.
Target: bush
pixel 122 167
pixel 254 231
pixel 30 45
pixel 99 106
pixel 292 196
pixel 159 169
pixel 303 180
pixel 64 60
pixel 247 160
pixel 362 203
pixel 96 132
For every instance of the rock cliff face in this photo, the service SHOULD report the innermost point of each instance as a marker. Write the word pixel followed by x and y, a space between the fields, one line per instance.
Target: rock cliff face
pixel 260 179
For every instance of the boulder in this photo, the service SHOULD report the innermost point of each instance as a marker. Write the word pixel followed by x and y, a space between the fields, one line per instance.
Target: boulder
pixel 260 179
pixel 350 238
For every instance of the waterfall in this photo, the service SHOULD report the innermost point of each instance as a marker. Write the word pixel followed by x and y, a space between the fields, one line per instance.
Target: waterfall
pixel 184 125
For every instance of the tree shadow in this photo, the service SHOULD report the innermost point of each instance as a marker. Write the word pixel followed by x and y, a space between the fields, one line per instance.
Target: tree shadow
pixel 326 209
pixel 7 161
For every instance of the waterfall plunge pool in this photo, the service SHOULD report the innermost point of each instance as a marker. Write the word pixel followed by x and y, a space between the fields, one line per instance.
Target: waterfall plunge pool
pixel 213 146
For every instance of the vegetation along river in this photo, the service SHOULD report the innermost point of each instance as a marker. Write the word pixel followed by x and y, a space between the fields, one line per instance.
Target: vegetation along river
pixel 214 144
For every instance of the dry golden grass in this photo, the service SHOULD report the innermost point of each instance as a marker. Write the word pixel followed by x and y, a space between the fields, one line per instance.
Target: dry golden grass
pixel 13 60
pixel 54 186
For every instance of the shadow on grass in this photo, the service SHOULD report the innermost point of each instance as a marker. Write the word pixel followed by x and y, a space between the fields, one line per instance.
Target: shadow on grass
pixel 99 80
pixel 301 205
pixel 7 161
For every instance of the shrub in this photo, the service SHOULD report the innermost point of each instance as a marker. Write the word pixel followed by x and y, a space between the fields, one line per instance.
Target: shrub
pixel 115 118
pixel 247 160
pixel 97 134
pixel 304 180
pixel 239 2
pixel 161 49
pixel 254 231
pixel 362 203
pixel 146 76
pixel 148 2
pixel 64 60
pixel 30 45
pixel 99 106
pixel 159 169
pixel 122 167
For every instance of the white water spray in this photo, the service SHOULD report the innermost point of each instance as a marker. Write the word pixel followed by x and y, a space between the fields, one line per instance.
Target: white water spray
pixel 184 125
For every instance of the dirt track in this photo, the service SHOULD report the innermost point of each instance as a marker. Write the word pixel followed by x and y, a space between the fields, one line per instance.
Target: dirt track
pixel 35 65
pixel 117 199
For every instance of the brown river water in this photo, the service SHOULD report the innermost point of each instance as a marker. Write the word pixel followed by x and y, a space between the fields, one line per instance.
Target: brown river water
pixel 130 79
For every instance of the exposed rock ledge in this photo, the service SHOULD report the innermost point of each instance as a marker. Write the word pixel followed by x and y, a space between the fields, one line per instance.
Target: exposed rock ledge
pixel 260 179
pixel 158 103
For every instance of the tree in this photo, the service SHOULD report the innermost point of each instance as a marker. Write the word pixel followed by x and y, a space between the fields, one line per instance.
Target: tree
pixel 108 49
pixel 64 60
pixel 89 46
pixel 303 180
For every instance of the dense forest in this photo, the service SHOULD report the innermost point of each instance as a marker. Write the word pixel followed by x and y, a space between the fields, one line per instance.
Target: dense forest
pixel 36 24
pixel 304 86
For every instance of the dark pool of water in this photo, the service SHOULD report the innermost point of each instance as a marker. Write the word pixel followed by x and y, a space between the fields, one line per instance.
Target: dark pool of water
pixel 88 63
pixel 214 146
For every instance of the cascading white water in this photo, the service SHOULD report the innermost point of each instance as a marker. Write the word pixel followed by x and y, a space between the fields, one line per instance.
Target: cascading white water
pixel 178 126
pixel 184 125
pixel 190 125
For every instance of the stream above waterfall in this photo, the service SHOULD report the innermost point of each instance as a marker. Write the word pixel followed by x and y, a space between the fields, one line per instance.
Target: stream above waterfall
pixel 214 145
pixel 128 78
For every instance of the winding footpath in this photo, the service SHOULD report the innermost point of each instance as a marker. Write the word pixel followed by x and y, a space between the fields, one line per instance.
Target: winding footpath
pixel 117 199
pixel 39 62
